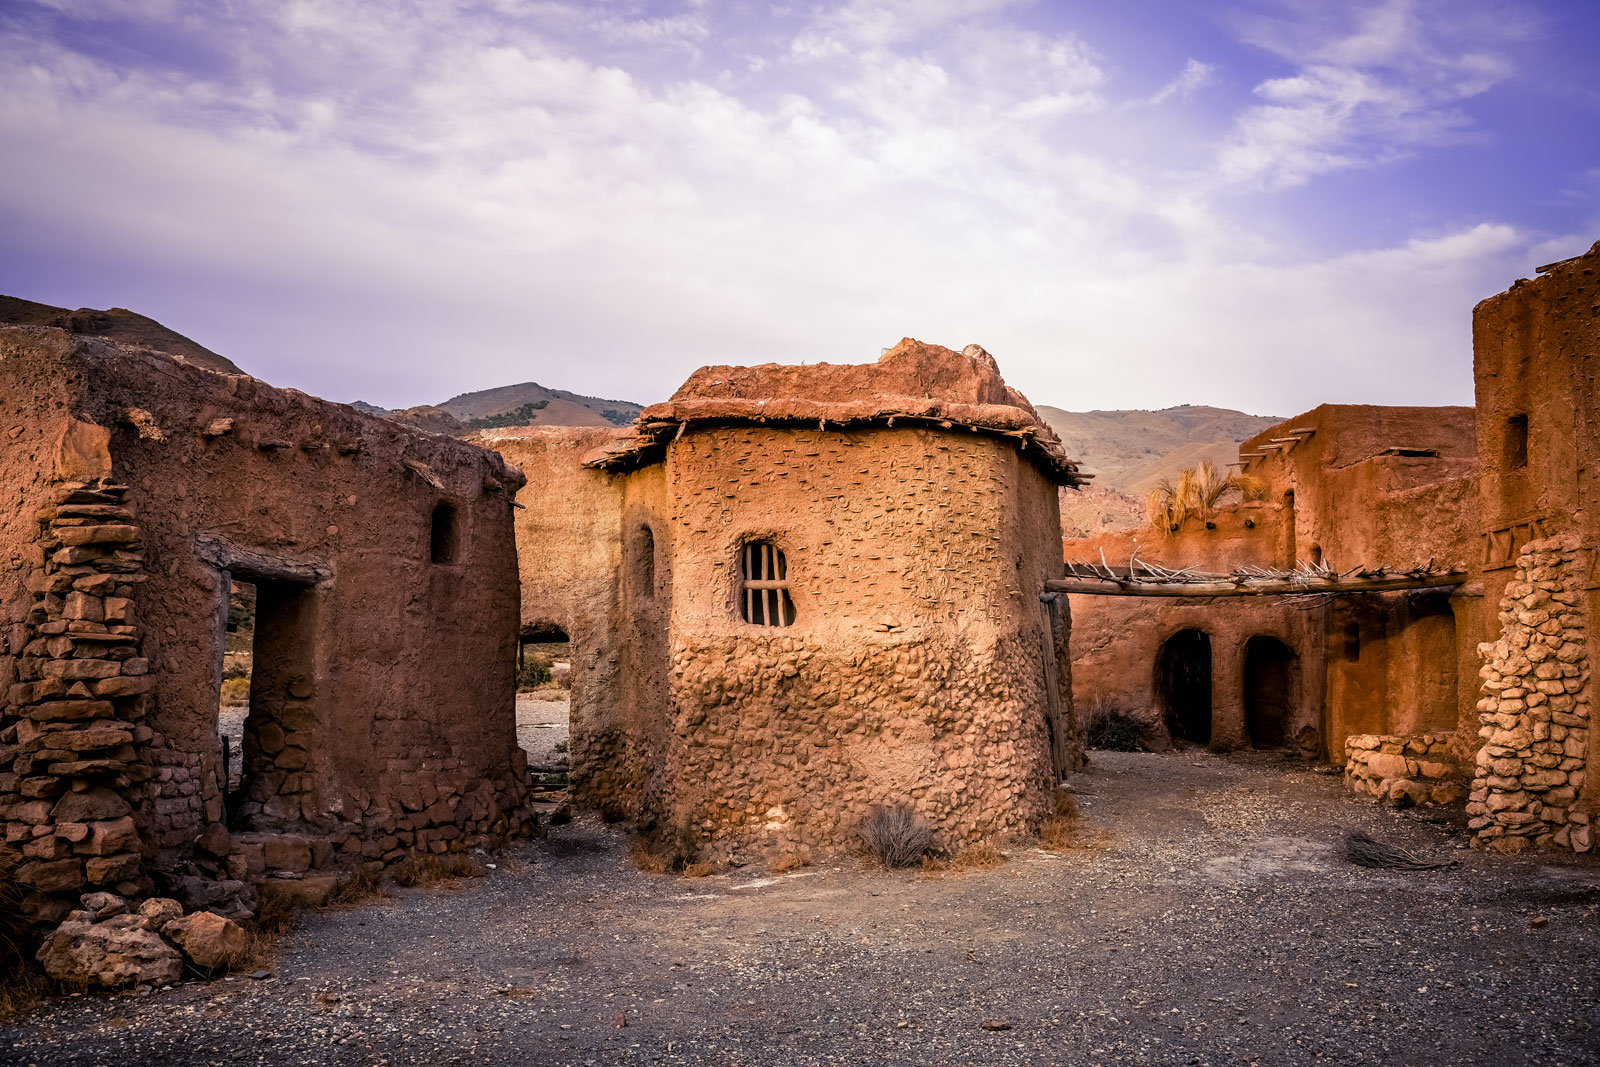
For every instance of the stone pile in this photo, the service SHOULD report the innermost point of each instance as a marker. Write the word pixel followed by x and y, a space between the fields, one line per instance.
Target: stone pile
pixel 1405 769
pixel 107 942
pixel 1535 709
pixel 72 738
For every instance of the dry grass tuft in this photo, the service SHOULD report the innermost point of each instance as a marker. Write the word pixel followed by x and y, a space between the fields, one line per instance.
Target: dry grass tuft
pixel 983 856
pixel 276 915
pixel 1060 833
pixel 362 887
pixel 648 860
pixel 698 869
pixel 792 860
pixel 1066 803
pixel 441 871
pixel 669 851
pixel 895 835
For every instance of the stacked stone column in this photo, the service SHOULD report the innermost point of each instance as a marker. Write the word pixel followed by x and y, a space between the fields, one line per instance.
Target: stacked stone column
pixel 71 732
pixel 1535 710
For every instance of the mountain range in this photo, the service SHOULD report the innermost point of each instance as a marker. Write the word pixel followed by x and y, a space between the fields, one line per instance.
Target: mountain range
pixel 1128 451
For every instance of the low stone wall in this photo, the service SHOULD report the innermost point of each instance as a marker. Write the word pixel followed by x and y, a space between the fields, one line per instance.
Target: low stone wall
pixel 1535 709
pixel 1405 769
pixel 73 737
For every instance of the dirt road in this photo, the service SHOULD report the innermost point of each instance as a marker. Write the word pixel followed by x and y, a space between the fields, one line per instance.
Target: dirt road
pixel 1219 927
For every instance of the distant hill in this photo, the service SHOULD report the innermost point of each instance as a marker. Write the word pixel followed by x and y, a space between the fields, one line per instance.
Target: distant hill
pixel 1130 451
pixel 531 404
pixel 116 324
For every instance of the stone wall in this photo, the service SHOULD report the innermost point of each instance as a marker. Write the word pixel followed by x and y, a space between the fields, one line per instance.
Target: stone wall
pixel 79 741
pixel 1535 709
pixel 382 707
pixel 913 673
pixel 1406 770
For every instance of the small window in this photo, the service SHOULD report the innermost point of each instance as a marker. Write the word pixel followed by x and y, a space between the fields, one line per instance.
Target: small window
pixel 445 535
pixel 1517 441
pixel 644 563
pixel 764 594
pixel 1352 641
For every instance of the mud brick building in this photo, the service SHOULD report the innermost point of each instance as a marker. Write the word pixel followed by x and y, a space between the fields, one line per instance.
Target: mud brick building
pixel 138 487
pixel 1342 486
pixel 794 592
pixel 1536 355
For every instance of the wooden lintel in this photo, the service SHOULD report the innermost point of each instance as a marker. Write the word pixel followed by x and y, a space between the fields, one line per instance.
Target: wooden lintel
pixel 1223 587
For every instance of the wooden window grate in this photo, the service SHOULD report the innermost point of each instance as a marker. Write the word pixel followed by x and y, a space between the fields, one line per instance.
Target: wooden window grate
pixel 764 589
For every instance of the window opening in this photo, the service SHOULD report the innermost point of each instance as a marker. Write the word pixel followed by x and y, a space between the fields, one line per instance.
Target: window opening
pixel 1183 684
pixel 238 655
pixel 1517 441
pixel 1352 641
pixel 764 599
pixel 644 565
pixel 445 534
pixel 265 719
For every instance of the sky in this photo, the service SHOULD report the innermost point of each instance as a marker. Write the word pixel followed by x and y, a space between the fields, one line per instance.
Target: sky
pixel 1264 205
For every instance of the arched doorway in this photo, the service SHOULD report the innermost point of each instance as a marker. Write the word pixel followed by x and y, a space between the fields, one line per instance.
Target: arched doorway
pixel 1268 691
pixel 1183 685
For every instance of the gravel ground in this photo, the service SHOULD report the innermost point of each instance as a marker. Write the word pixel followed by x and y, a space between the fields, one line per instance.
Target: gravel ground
pixel 542 724
pixel 1217 926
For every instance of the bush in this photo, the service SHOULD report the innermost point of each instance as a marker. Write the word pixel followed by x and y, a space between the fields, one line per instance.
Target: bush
pixel 235 691
pixel 671 852
pixel 895 835
pixel 1107 726
pixel 534 672
pixel 13 923
pixel 436 869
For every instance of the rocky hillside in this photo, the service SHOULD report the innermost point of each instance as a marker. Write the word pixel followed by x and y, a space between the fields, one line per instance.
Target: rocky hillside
pixel 1130 451
pixel 533 404
pixel 117 324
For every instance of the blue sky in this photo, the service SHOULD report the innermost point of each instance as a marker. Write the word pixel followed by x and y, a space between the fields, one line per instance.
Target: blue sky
pixel 1266 205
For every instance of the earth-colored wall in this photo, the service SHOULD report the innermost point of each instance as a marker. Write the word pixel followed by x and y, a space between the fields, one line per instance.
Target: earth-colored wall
pixel 1333 497
pixel 913 672
pixel 1535 351
pixel 383 715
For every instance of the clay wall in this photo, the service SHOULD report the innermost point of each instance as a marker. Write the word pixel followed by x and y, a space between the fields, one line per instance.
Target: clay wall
pixel 1339 492
pixel 1536 348
pixel 596 560
pixel 382 715
pixel 913 672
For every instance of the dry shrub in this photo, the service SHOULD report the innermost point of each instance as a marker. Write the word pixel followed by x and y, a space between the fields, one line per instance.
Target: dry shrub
pixel 895 835
pixel 276 914
pixel 791 860
pixel 648 860
pixel 235 691
pixel 1109 727
pixel 698 869
pixel 1063 833
pixel 362 887
pixel 669 851
pixel 1066 803
pixel 980 857
pixel 436 870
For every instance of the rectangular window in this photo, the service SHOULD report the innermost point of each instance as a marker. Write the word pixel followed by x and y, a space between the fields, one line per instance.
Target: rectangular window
pixel 764 594
pixel 1517 442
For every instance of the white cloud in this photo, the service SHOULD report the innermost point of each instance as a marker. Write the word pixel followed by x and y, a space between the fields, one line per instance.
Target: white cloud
pixel 1194 77
pixel 404 202
pixel 1375 79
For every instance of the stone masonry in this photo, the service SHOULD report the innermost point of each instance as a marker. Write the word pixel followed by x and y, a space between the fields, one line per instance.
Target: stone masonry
pixel 1405 769
pixel 78 738
pixel 1535 709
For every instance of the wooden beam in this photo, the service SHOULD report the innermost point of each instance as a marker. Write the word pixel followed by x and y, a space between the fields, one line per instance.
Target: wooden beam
pixel 1222 586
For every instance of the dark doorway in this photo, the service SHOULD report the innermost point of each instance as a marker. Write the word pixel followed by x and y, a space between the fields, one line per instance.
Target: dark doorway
pixel 1183 685
pixel 268 743
pixel 1268 691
